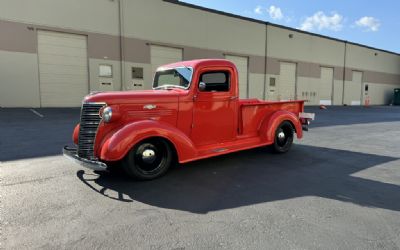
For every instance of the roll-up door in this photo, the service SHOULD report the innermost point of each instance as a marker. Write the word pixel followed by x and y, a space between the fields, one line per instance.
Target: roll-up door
pixel 325 90
pixel 63 69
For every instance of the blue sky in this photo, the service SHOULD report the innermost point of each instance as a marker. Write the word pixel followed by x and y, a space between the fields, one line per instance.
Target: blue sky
pixel 373 23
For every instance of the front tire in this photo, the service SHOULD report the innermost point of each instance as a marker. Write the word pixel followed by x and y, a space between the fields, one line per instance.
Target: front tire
pixel 283 137
pixel 148 159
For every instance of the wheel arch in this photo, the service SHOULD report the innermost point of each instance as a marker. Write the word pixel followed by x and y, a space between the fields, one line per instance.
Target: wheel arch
pixel 120 143
pixel 270 124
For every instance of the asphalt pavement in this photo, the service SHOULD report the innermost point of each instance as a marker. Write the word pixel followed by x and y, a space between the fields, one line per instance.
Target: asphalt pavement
pixel 338 188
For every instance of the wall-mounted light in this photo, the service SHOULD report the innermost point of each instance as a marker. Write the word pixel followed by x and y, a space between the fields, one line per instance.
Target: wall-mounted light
pixel 290 35
pixel 376 54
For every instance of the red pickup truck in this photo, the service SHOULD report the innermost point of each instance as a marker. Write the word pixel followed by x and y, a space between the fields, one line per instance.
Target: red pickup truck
pixel 193 112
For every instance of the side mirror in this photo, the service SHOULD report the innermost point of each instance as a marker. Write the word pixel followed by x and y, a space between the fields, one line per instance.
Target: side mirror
pixel 202 86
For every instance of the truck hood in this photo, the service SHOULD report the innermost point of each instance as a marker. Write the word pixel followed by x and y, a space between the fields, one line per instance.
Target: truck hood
pixel 131 97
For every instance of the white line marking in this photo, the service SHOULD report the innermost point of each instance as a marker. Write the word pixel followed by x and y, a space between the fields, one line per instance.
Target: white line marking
pixel 37 113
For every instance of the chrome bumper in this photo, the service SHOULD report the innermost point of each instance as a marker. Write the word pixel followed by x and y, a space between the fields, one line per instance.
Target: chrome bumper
pixel 305 119
pixel 71 153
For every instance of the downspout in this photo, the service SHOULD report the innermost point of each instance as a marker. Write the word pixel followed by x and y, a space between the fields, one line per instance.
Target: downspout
pixel 121 43
pixel 265 62
pixel 344 70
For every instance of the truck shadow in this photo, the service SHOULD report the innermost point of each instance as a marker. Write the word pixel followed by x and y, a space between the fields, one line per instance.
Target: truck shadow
pixel 253 177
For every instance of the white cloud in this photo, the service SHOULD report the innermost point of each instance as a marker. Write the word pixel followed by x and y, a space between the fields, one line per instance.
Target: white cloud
pixel 321 21
pixel 258 10
pixel 370 23
pixel 288 19
pixel 275 12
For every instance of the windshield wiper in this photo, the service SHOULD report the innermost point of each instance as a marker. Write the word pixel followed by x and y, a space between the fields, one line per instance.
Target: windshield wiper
pixel 169 86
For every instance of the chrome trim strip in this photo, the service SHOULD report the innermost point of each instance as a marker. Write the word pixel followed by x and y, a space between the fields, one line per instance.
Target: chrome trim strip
pixel 95 103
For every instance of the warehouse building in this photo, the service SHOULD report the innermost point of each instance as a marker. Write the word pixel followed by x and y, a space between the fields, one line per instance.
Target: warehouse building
pixel 54 52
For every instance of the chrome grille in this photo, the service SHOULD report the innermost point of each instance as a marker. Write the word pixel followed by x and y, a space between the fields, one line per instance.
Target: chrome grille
pixel 90 121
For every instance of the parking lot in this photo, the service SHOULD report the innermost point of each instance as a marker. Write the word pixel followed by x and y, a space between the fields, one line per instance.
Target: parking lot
pixel 338 188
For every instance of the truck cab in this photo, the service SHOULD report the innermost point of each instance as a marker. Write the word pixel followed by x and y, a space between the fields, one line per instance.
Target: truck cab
pixel 192 112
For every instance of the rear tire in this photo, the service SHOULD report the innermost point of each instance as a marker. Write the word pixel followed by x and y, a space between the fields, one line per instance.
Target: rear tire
pixel 283 137
pixel 148 159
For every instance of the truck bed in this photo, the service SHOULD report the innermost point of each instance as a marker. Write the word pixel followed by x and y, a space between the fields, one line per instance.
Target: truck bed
pixel 253 111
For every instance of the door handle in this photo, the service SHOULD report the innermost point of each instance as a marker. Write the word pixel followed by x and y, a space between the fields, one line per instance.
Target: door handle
pixel 233 98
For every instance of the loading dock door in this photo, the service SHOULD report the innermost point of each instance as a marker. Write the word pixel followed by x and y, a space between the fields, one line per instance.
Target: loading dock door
pixel 161 55
pixel 63 69
pixel 352 90
pixel 325 94
pixel 242 65
pixel 287 81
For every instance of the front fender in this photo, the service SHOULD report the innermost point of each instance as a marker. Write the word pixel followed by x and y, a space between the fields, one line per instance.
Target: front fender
pixel 270 124
pixel 119 144
pixel 75 134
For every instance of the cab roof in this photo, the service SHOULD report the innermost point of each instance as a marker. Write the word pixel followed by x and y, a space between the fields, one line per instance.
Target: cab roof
pixel 200 63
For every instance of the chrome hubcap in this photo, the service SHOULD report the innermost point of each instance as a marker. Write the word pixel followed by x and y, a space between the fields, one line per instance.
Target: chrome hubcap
pixel 148 156
pixel 281 136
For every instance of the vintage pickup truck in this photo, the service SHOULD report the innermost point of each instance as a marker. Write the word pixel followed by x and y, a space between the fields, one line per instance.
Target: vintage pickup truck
pixel 193 112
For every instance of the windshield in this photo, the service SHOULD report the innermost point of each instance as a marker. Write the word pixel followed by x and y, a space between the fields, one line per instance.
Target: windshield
pixel 173 78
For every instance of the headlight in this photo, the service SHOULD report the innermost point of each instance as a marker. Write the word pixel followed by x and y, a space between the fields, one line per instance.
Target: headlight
pixel 106 114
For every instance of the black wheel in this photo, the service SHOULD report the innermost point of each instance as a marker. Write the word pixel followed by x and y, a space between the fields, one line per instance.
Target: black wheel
pixel 283 137
pixel 148 159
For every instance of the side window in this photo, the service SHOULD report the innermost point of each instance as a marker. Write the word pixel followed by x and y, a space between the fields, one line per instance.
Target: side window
pixel 217 81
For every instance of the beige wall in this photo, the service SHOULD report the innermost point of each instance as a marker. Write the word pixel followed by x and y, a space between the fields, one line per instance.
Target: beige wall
pixel 310 88
pixel 380 93
pixel 201 34
pixel 310 53
pixel 381 71
pixel 256 86
pixel 89 15
pixel 303 47
pixel 96 81
pixel 363 58
pixel 19 80
pixel 147 76
pixel 160 21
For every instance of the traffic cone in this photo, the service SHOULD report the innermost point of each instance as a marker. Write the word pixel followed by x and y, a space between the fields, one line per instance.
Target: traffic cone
pixel 366 102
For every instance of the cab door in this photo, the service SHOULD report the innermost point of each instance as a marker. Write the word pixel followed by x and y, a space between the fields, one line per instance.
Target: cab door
pixel 214 108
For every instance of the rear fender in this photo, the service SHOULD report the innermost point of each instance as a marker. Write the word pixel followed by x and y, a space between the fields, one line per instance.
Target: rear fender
pixel 270 124
pixel 119 144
